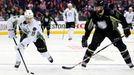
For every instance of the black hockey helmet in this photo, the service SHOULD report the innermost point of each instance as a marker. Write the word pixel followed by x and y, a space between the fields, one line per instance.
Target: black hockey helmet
pixel 99 3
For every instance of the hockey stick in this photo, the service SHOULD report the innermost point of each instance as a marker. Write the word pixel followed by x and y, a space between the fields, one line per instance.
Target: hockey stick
pixel 65 67
pixel 63 33
pixel 22 58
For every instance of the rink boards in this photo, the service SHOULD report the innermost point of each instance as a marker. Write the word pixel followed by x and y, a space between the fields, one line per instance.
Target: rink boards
pixel 60 29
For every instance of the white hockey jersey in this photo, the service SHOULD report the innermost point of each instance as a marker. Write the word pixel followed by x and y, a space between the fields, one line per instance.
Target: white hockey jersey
pixel 11 22
pixel 70 15
pixel 129 17
pixel 33 30
pixel 15 21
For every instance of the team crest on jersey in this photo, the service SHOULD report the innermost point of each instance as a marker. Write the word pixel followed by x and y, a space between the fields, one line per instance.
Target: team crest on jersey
pixel 70 14
pixel 102 24
pixel 46 19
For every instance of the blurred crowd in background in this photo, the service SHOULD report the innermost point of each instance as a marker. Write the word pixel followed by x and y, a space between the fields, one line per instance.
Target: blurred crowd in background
pixel 56 7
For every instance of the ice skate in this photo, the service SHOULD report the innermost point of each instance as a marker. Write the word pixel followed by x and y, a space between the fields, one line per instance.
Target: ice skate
pixel 69 38
pixel 84 65
pixel 17 64
pixel 131 67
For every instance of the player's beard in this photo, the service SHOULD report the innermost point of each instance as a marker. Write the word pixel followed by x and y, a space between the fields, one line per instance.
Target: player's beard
pixel 99 10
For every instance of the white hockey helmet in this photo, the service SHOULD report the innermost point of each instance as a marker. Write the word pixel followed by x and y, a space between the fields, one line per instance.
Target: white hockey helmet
pixel 130 8
pixel 28 14
pixel 69 4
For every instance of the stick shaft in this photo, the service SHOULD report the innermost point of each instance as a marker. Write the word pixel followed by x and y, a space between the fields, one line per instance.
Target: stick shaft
pixel 21 56
pixel 94 53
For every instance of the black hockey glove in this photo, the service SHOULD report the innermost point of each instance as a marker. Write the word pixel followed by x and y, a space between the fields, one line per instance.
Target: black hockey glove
pixel 127 32
pixel 84 41
pixel 130 25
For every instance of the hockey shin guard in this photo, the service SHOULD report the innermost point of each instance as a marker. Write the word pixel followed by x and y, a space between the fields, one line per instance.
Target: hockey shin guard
pixel 126 56
pixel 88 54
pixel 70 32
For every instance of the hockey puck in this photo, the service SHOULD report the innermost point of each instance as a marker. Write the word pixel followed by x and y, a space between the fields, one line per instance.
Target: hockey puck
pixel 32 73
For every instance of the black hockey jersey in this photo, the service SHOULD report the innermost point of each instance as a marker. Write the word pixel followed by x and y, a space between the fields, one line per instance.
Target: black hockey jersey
pixel 105 23
pixel 45 20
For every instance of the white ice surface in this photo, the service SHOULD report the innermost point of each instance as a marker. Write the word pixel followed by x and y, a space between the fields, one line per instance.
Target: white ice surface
pixel 67 53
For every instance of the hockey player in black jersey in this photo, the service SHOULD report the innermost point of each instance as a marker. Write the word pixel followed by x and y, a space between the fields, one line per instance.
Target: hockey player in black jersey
pixel 105 22
pixel 45 20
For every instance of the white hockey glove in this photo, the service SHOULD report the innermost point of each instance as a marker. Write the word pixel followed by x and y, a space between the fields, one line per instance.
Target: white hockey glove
pixel 11 33
pixel 20 46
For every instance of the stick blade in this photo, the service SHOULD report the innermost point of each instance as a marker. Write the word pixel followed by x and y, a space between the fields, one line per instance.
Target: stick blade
pixel 68 68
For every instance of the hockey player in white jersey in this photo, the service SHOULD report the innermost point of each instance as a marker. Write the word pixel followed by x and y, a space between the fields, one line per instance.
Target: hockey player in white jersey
pixel 70 17
pixel 13 22
pixel 11 26
pixel 32 32
pixel 129 15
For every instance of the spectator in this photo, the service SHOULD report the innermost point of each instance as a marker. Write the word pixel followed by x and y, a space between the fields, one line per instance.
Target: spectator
pixel 56 7
pixel 30 5
pixel 1 17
